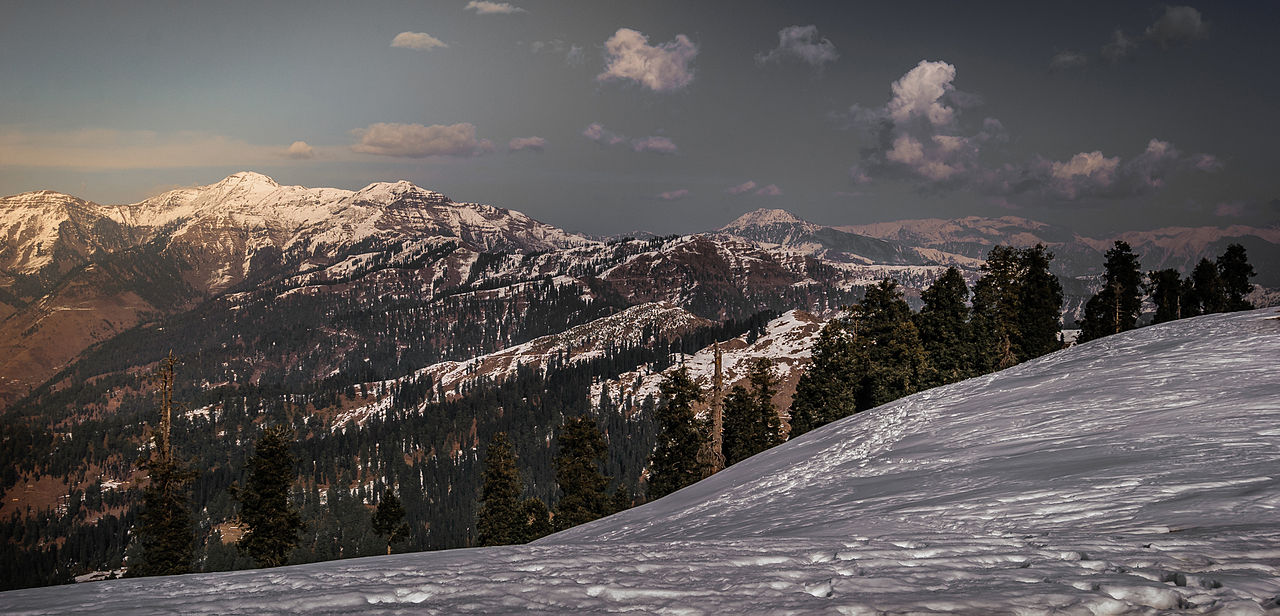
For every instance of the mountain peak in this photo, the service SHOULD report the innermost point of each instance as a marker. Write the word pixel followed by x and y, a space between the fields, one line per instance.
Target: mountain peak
pixel 763 217
pixel 386 192
pixel 247 177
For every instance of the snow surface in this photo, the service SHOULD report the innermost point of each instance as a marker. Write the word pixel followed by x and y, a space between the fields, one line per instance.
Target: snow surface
pixel 1136 474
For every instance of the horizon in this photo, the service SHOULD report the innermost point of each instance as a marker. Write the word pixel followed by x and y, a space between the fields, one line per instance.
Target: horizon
pixel 664 117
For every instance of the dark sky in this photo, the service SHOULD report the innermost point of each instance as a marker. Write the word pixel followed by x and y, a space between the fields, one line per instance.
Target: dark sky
pixel 607 117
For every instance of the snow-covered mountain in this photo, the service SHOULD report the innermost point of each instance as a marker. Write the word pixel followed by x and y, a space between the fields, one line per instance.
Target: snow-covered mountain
pixel 1135 474
pixel 782 229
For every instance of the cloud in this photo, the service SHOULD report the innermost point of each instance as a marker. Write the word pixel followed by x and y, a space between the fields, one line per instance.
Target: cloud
pixel 674 195
pixel 660 145
pixel 573 54
pixel 1065 60
pixel 599 134
pixel 800 43
pixel 1234 209
pixel 299 150
pixel 746 186
pixel 771 190
pixel 1119 47
pixel 107 149
pixel 417 40
pixel 535 144
pixel 418 141
pixel 1091 174
pixel 484 7
pixel 919 93
pixel 1178 24
pixel 661 68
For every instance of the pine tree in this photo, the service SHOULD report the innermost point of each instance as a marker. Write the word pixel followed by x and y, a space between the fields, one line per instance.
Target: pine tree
pixel 1208 294
pixel 165 531
pixel 943 323
pixel 1039 322
pixel 1234 271
pixel 534 521
pixel 896 361
pixel 1165 288
pixel 272 523
pixel 582 485
pixel 498 519
pixel 828 389
pixel 739 425
pixel 1115 308
pixel 997 301
pixel 764 385
pixel 388 519
pixel 675 461
pixel 751 423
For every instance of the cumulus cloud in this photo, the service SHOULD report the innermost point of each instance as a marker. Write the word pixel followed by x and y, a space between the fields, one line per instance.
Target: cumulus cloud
pixel 418 141
pixel 922 134
pixel 1119 47
pixel 661 145
pixel 803 44
pixel 771 190
pixel 417 40
pixel 534 144
pixel 599 134
pixel 1065 60
pixel 661 68
pixel 674 195
pixel 1178 24
pixel 299 150
pixel 746 186
pixel 484 7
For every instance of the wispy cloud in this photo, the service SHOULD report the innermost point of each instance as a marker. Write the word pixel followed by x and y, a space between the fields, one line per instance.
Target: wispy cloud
pixel 674 195
pixel 1065 60
pixel 484 7
pixel 802 44
pixel 661 68
pixel 417 40
pixel 659 145
pixel 419 141
pixel 1178 24
pixel 534 144
pixel 95 149
pixel 746 186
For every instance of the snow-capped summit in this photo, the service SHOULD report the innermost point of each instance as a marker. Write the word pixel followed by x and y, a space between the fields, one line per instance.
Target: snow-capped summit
pixel 765 217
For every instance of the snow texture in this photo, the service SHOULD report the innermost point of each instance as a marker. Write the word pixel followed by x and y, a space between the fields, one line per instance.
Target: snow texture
pixel 1136 474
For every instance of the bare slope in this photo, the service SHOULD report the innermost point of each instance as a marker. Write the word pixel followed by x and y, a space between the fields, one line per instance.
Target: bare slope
pixel 1134 474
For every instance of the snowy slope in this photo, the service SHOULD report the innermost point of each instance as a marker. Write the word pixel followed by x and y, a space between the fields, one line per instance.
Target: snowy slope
pixel 1136 474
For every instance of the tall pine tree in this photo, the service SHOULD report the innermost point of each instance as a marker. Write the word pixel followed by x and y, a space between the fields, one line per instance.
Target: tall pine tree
pixel 1039 322
pixel 388 519
pixel 675 463
pixel 828 389
pixel 943 323
pixel 1208 295
pixel 164 524
pixel 582 451
pixel 1115 308
pixel 1234 271
pixel 498 519
pixel 896 362
pixel 271 521
pixel 1165 288
pixel 997 301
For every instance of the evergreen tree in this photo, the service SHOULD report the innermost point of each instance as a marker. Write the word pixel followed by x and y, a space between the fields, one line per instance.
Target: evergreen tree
pixel 751 423
pixel 828 389
pixel 1208 295
pixel 272 523
pixel 1234 271
pixel 535 520
pixel 1115 308
pixel 997 301
pixel 895 357
pixel 577 463
pixel 164 525
pixel 764 385
pixel 1039 322
pixel 943 323
pixel 620 501
pixel 388 519
pixel 498 519
pixel 1165 288
pixel 675 463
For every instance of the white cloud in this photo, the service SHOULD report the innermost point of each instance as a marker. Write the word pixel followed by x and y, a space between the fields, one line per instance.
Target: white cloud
pixel 484 7
pixel 674 195
pixel 599 134
pixel 771 190
pixel 535 144
pixel 418 141
pixel 1086 172
pixel 1178 24
pixel 94 149
pixel 1091 174
pixel 417 40
pixel 919 93
pixel 1119 47
pixel 660 145
pixel 1064 60
pixel 299 150
pixel 746 186
pixel 801 43
pixel 573 54
pixel 661 68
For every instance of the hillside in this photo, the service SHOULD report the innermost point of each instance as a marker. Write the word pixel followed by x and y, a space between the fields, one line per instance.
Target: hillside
pixel 1134 474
